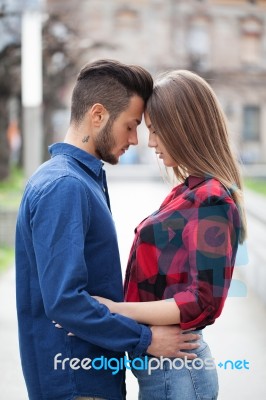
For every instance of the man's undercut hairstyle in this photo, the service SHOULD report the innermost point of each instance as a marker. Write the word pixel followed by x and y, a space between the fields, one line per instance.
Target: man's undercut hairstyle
pixel 111 84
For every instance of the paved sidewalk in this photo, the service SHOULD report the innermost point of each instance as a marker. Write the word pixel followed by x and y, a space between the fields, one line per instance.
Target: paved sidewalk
pixel 255 205
pixel 239 334
pixel 11 381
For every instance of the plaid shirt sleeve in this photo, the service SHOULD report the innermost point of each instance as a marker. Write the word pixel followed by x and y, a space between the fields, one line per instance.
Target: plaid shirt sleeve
pixel 187 251
pixel 210 240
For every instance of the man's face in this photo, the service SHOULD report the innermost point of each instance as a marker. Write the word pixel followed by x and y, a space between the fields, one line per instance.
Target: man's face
pixel 116 136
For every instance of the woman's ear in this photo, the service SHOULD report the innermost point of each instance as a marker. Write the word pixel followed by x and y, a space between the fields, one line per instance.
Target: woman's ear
pixel 99 115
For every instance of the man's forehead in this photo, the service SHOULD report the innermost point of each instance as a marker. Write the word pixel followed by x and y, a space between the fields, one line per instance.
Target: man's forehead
pixel 135 109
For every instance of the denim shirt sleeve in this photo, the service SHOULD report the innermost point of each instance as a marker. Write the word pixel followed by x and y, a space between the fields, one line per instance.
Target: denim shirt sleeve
pixel 60 215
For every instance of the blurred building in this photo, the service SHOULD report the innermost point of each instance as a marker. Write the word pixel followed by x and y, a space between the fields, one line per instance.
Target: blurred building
pixel 223 40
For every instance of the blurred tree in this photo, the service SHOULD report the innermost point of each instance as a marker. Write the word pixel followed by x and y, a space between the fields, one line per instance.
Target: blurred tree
pixel 60 61
pixel 10 60
pixel 9 87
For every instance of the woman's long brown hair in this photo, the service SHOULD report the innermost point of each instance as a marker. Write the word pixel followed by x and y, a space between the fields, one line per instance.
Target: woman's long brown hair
pixel 187 116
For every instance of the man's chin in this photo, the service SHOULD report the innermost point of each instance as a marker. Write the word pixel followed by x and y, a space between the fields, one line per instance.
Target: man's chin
pixel 111 159
pixel 108 158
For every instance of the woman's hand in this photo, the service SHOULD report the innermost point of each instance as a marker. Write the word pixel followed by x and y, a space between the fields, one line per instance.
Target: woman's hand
pixel 60 327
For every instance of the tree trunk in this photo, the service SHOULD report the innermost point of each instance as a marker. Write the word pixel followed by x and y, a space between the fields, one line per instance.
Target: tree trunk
pixel 4 146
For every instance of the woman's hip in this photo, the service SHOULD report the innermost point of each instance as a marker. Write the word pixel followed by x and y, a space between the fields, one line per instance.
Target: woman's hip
pixel 163 378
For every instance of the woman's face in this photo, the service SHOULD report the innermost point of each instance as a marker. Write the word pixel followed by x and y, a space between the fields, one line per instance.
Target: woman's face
pixel 156 143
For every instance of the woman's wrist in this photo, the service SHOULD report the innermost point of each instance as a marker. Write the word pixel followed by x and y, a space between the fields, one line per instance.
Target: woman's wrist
pixel 117 307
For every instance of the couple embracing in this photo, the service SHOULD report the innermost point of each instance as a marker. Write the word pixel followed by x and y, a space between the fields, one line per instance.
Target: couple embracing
pixel 182 257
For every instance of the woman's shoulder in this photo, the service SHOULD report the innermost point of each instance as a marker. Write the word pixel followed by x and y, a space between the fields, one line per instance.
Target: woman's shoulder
pixel 210 199
pixel 207 191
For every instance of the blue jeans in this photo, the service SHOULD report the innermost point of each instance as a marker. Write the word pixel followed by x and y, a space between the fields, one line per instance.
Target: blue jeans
pixel 177 379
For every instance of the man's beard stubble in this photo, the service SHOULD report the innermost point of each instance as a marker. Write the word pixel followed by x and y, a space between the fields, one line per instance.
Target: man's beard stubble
pixel 104 143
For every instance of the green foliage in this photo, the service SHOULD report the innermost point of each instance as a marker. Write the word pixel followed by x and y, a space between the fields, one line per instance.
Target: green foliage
pixel 256 184
pixel 6 258
pixel 11 189
pixel 10 195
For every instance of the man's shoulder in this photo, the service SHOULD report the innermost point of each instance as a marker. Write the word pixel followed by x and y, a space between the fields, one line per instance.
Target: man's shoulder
pixel 57 171
pixel 49 172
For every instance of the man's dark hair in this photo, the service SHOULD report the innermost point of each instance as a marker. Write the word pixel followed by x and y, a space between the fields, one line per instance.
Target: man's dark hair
pixel 110 83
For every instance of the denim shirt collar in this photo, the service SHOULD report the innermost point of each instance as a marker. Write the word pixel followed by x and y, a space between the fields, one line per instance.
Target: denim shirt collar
pixel 91 162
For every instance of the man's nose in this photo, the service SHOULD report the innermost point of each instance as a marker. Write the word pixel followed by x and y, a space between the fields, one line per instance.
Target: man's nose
pixel 133 138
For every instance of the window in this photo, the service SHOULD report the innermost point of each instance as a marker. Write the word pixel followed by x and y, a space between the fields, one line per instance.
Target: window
pixel 251 123
pixel 198 43
pixel 251 28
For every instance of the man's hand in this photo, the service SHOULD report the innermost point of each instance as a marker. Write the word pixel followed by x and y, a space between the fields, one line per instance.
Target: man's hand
pixel 170 341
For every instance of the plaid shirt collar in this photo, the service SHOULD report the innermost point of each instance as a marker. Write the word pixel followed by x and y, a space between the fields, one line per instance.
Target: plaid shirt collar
pixel 192 181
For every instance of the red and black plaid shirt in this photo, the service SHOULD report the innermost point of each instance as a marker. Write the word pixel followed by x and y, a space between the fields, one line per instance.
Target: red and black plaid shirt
pixel 186 250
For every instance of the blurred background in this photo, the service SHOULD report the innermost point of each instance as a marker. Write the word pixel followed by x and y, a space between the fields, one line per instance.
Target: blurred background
pixel 43 45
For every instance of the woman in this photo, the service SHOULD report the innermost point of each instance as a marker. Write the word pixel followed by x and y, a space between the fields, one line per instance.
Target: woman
pixel 185 251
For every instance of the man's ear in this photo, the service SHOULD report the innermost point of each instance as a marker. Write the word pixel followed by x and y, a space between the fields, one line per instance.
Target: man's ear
pixel 99 115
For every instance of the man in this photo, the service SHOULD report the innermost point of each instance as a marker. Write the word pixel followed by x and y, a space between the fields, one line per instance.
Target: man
pixel 66 249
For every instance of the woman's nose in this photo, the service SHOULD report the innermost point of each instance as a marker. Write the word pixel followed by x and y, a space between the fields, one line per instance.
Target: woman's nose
pixel 152 140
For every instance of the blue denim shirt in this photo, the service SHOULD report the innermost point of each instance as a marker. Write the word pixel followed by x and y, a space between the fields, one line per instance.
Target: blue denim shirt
pixel 66 250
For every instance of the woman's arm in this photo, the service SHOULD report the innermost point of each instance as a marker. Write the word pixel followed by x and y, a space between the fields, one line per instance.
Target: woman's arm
pixel 161 312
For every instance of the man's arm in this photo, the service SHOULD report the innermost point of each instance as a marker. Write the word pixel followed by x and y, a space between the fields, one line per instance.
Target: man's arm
pixel 169 341
pixel 60 218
